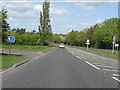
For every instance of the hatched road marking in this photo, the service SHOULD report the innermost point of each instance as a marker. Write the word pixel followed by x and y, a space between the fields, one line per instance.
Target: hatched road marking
pixel 116 79
pixel 92 65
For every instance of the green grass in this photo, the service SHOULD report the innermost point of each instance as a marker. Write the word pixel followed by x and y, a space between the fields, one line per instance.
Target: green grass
pixel 104 54
pixel 29 48
pixel 8 61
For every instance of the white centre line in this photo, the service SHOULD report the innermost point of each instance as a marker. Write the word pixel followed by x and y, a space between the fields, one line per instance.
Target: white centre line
pixel 116 79
pixel 92 65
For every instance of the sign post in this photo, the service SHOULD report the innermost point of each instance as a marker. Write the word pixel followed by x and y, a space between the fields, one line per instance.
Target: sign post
pixel 88 43
pixel 10 39
pixel 113 50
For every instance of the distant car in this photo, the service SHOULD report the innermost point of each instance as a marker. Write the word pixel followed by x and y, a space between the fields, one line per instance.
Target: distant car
pixel 61 45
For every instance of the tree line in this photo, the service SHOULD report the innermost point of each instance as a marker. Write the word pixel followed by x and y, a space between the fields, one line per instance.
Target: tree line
pixel 100 35
pixel 43 37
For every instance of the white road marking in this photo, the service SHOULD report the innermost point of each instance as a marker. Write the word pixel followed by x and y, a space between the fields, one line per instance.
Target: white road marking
pixel 78 57
pixel 110 70
pixel 107 66
pixel 73 54
pixel 116 75
pixel 92 65
pixel 116 79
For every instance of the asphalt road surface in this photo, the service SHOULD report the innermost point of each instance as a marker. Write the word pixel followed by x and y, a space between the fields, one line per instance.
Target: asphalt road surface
pixel 64 68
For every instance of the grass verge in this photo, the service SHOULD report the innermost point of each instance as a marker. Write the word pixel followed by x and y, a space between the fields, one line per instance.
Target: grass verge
pixel 8 61
pixel 104 54
pixel 29 48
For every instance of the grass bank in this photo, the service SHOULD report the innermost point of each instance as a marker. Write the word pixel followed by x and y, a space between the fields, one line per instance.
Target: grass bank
pixel 8 61
pixel 104 54
pixel 29 48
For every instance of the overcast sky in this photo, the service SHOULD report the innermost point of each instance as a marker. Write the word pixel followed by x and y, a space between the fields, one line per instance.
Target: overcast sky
pixel 65 14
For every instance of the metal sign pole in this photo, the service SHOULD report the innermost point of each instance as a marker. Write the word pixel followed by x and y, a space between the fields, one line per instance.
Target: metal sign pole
pixel 10 49
pixel 113 49
pixel 87 46
pixel 113 44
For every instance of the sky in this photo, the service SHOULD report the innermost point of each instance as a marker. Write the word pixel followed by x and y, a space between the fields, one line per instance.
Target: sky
pixel 65 15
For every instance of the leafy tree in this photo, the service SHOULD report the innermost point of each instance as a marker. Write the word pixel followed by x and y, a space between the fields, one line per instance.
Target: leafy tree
pixel 56 38
pixel 105 32
pixel 21 31
pixel 71 38
pixel 5 25
pixel 90 33
pixel 33 31
pixel 45 29
pixel 82 38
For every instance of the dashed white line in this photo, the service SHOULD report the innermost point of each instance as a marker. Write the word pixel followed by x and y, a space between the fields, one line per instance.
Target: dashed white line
pixel 116 79
pixel 92 65
pixel 73 54
pixel 78 57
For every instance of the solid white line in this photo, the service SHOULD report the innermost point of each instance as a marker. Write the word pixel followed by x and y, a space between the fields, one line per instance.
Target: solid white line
pixel 92 65
pixel 116 75
pixel 116 79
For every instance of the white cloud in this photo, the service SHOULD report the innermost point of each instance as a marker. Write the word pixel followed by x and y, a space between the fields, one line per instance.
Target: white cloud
pixel 71 26
pixel 91 5
pixel 58 11
pixel 99 21
pixel 38 7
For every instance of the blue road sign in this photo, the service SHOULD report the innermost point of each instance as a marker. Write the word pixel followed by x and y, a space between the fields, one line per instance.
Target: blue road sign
pixel 11 39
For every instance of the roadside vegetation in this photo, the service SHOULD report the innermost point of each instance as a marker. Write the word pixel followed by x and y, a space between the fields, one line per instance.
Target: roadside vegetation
pixel 29 48
pixel 104 54
pixel 9 60
pixel 100 35
pixel 25 40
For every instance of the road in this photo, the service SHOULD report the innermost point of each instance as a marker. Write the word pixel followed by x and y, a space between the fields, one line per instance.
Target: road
pixel 63 68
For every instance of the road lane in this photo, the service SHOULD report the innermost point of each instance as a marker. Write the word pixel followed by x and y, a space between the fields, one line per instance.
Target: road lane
pixel 57 69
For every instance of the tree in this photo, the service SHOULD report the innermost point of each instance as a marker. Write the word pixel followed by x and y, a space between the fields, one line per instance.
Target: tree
pixel 45 29
pixel 21 31
pixel 103 35
pixel 72 38
pixel 5 25
pixel 33 31
pixel 90 33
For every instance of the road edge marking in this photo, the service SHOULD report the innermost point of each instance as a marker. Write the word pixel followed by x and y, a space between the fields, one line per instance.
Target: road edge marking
pixel 116 79
pixel 78 57
pixel 92 65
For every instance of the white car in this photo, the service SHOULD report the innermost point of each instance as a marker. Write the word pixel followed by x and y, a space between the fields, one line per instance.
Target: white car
pixel 61 45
